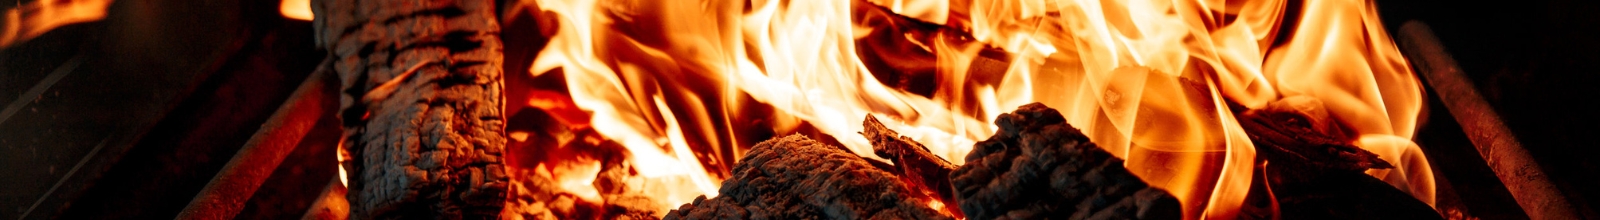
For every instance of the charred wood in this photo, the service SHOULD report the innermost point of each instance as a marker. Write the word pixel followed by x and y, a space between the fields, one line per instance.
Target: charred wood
pixel 1288 138
pixel 1037 166
pixel 794 177
pixel 913 162
pixel 420 105
pixel 1312 174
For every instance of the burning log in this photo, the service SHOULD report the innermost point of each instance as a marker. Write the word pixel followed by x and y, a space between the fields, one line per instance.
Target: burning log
pixel 421 106
pixel 794 177
pixel 913 162
pixel 1038 166
pixel 1313 173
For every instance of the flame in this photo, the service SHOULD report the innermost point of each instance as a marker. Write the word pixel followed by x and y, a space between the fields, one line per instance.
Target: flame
pixel 1341 54
pixel 342 156
pixel 678 82
pixel 35 18
pixel 296 9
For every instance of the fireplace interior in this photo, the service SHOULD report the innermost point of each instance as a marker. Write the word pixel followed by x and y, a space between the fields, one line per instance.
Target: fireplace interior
pixel 153 109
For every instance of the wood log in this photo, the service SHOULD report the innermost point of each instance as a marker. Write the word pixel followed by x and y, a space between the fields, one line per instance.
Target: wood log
pixel 420 104
pixel 1039 167
pixel 794 177
pixel 913 162
pixel 1312 174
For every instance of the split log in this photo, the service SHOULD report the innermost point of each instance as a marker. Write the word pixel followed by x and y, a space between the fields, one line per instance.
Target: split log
pixel 1313 174
pixel 1039 167
pixel 794 177
pixel 420 103
pixel 913 163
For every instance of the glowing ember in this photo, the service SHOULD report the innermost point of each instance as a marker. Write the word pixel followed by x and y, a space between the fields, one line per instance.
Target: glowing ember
pixel 1150 81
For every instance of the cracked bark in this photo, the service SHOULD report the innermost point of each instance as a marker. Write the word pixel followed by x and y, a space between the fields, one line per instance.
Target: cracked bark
pixel 420 104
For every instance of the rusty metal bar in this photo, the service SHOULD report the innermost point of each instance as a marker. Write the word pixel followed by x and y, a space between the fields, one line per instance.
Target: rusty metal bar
pixel 1494 141
pixel 225 195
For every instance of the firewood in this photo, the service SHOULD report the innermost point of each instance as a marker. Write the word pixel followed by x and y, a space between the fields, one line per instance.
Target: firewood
pixel 421 105
pixel 794 177
pixel 1289 138
pixel 1316 175
pixel 1039 167
pixel 912 162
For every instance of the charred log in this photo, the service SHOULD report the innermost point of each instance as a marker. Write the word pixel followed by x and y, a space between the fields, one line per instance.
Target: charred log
pixel 1037 166
pixel 794 177
pixel 1288 138
pixel 1316 175
pixel 913 162
pixel 421 108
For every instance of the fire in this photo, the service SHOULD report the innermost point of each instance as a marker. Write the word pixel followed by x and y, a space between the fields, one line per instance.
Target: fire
pixel 27 21
pixel 296 9
pixel 678 83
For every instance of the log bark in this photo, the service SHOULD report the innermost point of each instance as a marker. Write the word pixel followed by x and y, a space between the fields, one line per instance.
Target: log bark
pixel 420 103
pixel 913 163
pixel 794 177
pixel 1039 167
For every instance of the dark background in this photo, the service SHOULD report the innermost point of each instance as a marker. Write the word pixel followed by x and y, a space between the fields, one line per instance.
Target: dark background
pixel 1538 64
pixel 166 91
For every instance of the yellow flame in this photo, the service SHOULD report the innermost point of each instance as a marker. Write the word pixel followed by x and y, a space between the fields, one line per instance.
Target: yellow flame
pixel 296 9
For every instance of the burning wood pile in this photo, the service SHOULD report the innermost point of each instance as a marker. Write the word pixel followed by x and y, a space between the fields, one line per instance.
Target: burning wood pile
pixel 1036 167
pixel 635 109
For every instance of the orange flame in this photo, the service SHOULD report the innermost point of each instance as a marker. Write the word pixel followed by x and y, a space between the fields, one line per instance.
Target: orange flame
pixel 296 9
pixel 1150 81
pixel 35 18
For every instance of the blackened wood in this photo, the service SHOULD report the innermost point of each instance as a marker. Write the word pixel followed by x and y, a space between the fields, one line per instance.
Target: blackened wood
pixel 1039 167
pixel 1342 195
pixel 912 162
pixel 794 177
pixel 1313 175
pixel 1288 138
pixel 421 105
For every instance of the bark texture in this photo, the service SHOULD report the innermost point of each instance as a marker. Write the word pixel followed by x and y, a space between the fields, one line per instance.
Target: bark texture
pixel 913 163
pixel 421 105
pixel 794 177
pixel 1039 167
